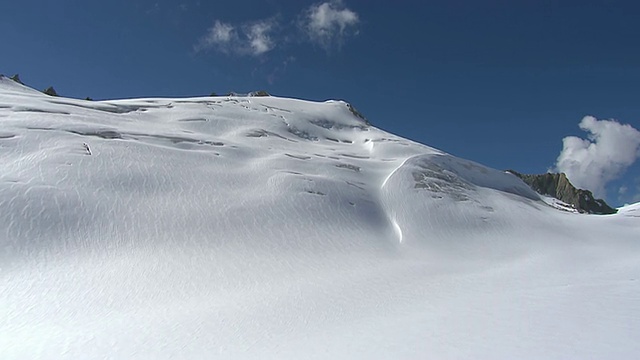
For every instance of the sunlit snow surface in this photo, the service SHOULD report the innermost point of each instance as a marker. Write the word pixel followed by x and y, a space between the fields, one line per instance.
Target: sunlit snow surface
pixel 272 228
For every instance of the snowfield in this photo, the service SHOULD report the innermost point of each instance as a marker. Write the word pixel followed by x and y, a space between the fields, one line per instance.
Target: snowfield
pixel 273 228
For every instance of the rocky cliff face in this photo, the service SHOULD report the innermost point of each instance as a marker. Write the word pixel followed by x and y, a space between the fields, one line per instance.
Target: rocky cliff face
pixel 558 186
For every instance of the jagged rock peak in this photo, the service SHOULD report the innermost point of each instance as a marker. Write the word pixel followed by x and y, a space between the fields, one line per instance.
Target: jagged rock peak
pixel 50 91
pixel 559 186
pixel 16 78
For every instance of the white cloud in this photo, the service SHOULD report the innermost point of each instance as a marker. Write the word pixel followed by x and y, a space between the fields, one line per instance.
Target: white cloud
pixel 248 39
pixel 258 37
pixel 591 163
pixel 329 23
pixel 220 36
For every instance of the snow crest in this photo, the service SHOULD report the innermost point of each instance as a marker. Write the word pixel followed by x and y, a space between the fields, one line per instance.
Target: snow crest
pixel 273 228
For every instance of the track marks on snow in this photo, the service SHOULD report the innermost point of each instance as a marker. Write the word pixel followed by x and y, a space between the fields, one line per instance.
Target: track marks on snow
pixel 7 136
pixel 298 157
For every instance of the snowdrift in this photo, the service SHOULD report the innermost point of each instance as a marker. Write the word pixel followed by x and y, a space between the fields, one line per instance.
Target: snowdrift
pixel 273 228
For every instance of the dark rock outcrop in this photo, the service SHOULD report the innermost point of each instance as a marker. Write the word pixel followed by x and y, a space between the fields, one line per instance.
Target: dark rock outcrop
pixel 50 91
pixel 357 113
pixel 558 186
pixel 259 93
pixel 16 78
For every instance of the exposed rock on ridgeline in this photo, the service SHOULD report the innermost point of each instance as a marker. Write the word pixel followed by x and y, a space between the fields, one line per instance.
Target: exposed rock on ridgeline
pixel 559 186
pixel 16 78
pixel 259 93
pixel 50 91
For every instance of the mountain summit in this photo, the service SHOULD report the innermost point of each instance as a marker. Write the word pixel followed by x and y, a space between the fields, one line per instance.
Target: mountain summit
pixel 241 227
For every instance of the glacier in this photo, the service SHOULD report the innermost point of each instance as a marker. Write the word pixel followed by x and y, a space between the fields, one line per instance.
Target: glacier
pixel 241 227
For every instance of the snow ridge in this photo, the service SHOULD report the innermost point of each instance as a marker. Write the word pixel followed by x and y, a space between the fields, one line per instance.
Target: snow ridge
pixel 264 227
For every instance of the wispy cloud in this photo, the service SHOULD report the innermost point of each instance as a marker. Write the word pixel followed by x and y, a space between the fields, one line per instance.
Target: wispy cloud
pixel 610 148
pixel 258 36
pixel 629 194
pixel 328 24
pixel 252 38
pixel 279 69
pixel 220 36
pixel 636 198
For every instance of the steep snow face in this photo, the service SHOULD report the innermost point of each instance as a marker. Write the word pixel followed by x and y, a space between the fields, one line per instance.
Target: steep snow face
pixel 263 227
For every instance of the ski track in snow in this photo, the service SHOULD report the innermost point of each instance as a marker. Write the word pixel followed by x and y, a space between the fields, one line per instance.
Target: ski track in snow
pixel 272 228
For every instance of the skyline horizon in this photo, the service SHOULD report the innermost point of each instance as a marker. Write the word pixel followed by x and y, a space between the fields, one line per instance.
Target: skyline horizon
pixel 507 85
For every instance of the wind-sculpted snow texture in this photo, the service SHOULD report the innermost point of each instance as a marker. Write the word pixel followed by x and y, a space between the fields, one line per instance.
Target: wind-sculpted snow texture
pixel 272 228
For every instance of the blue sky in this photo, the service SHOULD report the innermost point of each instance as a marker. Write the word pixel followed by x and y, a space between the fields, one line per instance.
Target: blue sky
pixel 498 82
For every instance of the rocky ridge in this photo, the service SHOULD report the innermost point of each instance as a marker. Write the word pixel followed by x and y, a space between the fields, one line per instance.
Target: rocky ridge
pixel 558 186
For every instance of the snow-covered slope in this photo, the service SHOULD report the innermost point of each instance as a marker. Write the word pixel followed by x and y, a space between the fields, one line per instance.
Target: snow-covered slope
pixel 272 228
pixel 630 210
